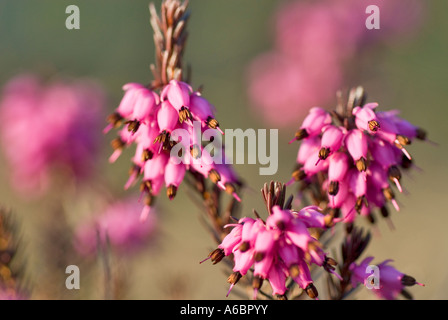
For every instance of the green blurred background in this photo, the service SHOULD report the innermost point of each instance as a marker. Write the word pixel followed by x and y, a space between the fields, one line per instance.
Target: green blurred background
pixel 114 46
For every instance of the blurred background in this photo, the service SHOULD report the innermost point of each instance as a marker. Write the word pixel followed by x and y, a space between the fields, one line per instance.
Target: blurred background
pixel 232 44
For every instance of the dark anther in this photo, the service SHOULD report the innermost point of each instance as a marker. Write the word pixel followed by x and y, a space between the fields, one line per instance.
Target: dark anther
pixel 147 155
pixel 234 278
pixel 133 125
pixel 171 192
pixel 311 291
pixel 184 114
pixel 301 134
pixel 333 188
pixel 374 125
pixel 421 134
pixel 361 164
pixel 394 173
pixel 214 176
pixel 216 255
pixel 299 175
pixel 324 153
pixel 212 123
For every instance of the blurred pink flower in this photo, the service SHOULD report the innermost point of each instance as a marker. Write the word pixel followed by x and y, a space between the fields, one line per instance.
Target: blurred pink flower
pixel 119 223
pixel 45 127
pixel 313 46
pixel 359 160
pixel 12 295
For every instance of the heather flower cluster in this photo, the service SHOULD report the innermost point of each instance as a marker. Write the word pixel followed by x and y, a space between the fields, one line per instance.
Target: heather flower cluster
pixel 316 43
pixel 148 121
pixel 48 127
pixel 359 153
pixel 277 249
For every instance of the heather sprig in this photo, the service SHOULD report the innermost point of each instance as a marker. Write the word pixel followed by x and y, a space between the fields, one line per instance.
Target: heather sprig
pixel 276 249
pixel 149 115
pixel 352 158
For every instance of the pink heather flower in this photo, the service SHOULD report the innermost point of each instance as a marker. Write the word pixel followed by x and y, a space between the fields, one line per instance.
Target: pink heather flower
pixel 174 175
pixel 120 224
pixel 366 118
pixel 391 281
pixel 314 44
pixel 276 249
pixel 308 147
pixel 359 160
pixel 332 137
pixel 357 146
pixel 64 117
pixel 148 122
pixel 313 124
pixel 203 111
pixel 178 94
pixel 338 166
